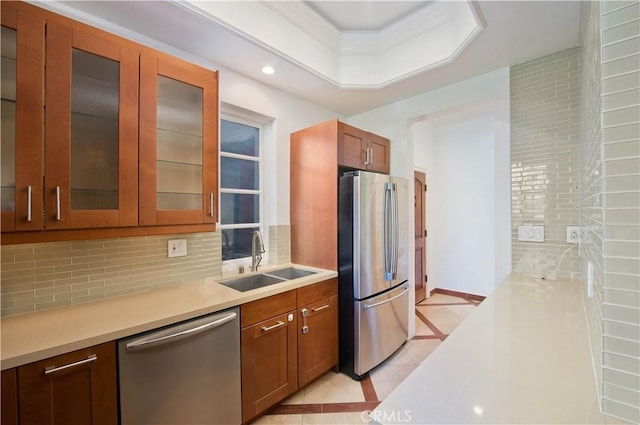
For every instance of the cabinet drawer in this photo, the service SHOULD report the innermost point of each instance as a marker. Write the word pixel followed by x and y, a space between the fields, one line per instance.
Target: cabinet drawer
pixel 263 309
pixel 311 293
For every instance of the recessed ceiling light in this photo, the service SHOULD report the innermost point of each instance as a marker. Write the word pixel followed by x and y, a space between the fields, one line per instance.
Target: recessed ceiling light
pixel 269 70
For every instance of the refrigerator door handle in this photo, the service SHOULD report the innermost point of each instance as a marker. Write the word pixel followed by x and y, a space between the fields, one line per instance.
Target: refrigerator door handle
pixel 405 289
pixel 387 224
pixel 395 230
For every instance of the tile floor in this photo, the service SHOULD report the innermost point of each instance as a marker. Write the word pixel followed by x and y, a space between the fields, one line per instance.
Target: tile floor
pixel 337 399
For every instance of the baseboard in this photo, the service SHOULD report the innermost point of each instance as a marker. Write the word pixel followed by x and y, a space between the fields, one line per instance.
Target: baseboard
pixel 464 295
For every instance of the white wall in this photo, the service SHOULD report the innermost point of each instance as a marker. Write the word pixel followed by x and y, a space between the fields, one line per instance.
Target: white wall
pixel 457 150
pixel 486 96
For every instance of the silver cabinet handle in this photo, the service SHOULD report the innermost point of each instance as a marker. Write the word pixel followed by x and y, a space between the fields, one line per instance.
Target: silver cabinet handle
pixel 368 306
pixel 366 156
pixel 277 325
pixel 53 369
pixel 370 150
pixel 58 217
pixel 324 307
pixel 161 337
pixel 28 203
pixel 211 210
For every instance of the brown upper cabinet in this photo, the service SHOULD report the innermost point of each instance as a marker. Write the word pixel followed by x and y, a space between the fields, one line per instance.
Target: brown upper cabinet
pixel 101 137
pixel 362 150
pixel 91 131
pixel 317 155
pixel 178 141
pixel 22 93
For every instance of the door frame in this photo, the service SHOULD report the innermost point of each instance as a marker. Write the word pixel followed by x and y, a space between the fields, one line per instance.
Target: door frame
pixel 421 291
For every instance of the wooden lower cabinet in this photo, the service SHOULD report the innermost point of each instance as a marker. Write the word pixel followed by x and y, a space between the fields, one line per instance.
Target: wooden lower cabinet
pixel 317 330
pixel 9 392
pixel 269 352
pixel 283 348
pixel 74 388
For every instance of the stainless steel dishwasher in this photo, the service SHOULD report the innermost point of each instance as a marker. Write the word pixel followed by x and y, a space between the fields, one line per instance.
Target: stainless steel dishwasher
pixel 187 373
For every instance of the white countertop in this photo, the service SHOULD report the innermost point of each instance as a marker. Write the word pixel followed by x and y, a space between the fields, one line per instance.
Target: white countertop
pixel 35 336
pixel 521 357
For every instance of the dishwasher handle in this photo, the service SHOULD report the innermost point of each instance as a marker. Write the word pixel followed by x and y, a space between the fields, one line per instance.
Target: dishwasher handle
pixel 167 336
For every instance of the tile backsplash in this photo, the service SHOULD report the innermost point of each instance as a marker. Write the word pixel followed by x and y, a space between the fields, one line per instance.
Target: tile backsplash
pixel 53 274
pixel 620 196
pixel 545 174
pixel 280 244
pixel 592 209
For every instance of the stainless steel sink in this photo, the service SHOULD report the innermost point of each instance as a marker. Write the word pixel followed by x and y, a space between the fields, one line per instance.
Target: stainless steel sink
pixel 255 281
pixel 290 273
pixel 260 280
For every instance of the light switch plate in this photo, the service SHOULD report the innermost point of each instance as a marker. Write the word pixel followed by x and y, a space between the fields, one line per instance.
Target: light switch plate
pixel 530 233
pixel 177 248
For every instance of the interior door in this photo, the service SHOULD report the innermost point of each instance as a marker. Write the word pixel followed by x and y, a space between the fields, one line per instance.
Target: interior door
pixel 420 234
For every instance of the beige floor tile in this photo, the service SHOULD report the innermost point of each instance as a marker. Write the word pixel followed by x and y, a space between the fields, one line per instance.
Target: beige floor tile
pixel 413 352
pixel 446 318
pixel 279 420
pixel 387 377
pixel 352 418
pixel 421 328
pixel 333 388
pixel 297 398
pixel 442 299
pixel 339 388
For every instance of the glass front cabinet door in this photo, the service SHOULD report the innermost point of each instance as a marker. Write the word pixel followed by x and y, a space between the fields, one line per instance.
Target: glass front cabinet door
pixel 178 142
pixel 22 93
pixel 91 133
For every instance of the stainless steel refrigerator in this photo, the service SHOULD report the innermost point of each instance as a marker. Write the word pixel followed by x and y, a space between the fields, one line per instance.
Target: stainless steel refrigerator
pixel 372 267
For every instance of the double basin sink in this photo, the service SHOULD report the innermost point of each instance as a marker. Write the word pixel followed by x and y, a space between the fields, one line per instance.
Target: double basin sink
pixel 259 280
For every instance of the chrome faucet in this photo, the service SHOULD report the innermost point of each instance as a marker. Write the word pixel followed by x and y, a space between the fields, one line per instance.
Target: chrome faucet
pixel 256 253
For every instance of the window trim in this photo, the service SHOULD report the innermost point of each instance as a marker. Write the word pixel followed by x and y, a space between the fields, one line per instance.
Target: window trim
pixel 245 117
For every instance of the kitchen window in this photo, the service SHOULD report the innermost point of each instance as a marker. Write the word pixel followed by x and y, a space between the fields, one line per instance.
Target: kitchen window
pixel 241 191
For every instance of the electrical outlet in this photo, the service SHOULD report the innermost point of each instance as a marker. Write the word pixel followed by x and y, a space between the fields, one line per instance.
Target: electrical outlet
pixel 573 234
pixel 177 248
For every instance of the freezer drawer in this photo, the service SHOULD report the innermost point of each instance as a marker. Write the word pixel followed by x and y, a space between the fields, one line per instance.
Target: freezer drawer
pixel 381 327
pixel 183 374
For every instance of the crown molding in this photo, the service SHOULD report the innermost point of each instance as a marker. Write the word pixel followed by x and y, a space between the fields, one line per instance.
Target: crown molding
pixel 426 39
